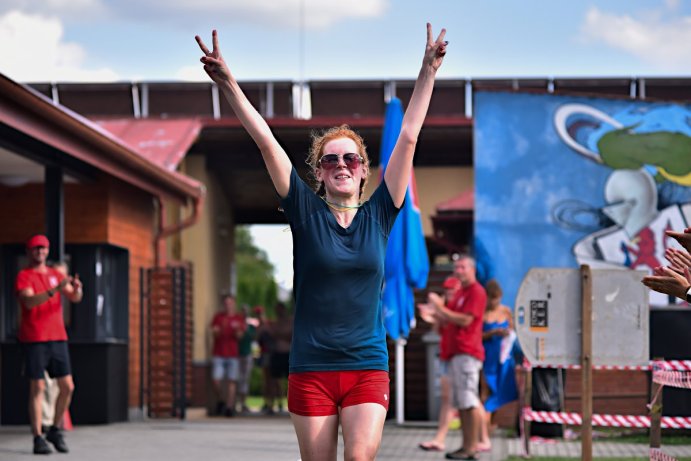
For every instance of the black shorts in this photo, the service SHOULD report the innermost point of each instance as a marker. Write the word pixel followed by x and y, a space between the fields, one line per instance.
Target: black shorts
pixel 51 356
pixel 279 364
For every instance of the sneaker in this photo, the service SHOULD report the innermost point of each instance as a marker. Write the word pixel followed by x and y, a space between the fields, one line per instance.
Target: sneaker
pixel 54 436
pixel 41 446
pixel 267 410
pixel 220 408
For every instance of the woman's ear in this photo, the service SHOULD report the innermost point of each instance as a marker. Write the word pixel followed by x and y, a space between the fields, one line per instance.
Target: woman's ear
pixel 318 174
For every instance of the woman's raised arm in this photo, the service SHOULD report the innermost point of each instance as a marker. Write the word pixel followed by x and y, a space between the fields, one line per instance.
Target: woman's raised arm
pixel 276 160
pixel 400 163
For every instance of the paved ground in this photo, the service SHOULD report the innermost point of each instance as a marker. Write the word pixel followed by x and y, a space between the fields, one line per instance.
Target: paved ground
pixel 262 438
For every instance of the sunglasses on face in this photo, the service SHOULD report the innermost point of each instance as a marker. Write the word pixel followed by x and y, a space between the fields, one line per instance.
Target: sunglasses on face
pixel 330 161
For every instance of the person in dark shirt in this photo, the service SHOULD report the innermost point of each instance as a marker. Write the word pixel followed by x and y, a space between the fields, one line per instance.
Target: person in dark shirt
pixel 338 359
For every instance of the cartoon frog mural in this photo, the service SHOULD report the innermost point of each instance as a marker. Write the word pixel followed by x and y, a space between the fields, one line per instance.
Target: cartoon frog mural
pixel 645 148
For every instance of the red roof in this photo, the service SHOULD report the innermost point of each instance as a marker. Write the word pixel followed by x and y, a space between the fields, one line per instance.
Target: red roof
pixel 163 142
pixel 465 201
pixel 29 112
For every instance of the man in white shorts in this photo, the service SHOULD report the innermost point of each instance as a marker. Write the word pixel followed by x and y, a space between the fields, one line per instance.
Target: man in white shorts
pixel 227 327
pixel 464 314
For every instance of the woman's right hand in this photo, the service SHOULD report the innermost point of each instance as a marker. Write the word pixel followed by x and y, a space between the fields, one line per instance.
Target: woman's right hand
pixel 214 64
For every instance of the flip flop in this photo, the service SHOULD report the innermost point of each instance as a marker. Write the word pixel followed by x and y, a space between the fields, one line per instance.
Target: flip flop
pixel 459 454
pixel 430 446
pixel 483 448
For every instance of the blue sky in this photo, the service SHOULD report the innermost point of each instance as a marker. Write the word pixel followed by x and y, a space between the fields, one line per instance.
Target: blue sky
pixel 153 40
pixel 88 40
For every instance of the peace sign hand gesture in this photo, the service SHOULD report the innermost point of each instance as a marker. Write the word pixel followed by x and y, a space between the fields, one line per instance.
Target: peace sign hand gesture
pixel 214 64
pixel 435 49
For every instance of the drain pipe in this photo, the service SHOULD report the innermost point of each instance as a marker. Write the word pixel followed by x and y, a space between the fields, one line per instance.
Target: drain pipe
pixel 164 231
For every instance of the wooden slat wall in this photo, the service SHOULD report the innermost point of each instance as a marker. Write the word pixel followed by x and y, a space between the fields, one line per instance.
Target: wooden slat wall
pixel 169 292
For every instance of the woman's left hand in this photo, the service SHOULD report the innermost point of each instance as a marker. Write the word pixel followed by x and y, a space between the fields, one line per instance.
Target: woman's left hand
pixel 436 49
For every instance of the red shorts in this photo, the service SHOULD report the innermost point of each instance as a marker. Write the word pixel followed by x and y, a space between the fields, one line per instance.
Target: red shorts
pixel 321 393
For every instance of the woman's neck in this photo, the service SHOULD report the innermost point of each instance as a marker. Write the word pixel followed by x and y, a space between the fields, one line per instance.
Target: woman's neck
pixel 342 203
pixel 343 210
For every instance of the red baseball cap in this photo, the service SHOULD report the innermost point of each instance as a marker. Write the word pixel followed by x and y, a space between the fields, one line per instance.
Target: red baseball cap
pixel 452 283
pixel 38 241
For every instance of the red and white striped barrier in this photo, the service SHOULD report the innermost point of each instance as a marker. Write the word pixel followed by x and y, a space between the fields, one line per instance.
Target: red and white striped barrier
pixel 560 417
pixel 671 378
pixel 679 365
pixel 658 455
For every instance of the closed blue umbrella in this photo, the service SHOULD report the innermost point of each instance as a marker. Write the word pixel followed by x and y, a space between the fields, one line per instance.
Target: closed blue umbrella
pixel 407 262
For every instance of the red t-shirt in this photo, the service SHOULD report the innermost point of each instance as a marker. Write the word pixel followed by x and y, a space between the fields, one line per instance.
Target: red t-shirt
pixel 226 342
pixel 470 300
pixel 446 336
pixel 43 322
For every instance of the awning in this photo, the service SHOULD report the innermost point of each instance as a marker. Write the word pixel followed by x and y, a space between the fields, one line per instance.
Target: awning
pixel 29 112
pixel 163 142
pixel 465 201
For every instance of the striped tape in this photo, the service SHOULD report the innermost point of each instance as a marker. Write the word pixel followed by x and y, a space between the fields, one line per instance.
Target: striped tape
pixel 574 419
pixel 658 455
pixel 679 365
pixel 672 378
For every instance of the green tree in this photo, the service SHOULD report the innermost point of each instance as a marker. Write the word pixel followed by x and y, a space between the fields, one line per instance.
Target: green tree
pixel 255 274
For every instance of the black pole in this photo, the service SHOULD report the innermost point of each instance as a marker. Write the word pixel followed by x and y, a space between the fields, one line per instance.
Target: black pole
pixel 55 212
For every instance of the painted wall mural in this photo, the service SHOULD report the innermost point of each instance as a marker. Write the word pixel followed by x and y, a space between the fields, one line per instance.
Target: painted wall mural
pixel 562 181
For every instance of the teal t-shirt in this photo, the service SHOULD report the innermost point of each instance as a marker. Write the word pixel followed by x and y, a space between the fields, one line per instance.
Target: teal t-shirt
pixel 338 281
pixel 245 343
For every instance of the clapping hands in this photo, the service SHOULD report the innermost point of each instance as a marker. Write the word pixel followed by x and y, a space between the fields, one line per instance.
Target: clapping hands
pixel 684 238
pixel 674 280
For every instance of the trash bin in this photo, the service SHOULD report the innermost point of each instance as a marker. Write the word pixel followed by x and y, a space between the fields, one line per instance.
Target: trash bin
pixel 431 340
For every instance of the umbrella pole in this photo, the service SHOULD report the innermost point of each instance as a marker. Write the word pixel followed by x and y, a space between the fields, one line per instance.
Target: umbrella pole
pixel 400 380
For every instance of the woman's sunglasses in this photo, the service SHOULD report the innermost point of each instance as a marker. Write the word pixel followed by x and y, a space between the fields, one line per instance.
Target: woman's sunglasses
pixel 330 161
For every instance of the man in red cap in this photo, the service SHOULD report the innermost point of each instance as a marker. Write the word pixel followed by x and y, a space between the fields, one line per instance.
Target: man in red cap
pixel 465 315
pixel 42 332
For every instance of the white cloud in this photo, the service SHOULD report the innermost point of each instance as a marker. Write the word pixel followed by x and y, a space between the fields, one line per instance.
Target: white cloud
pixel 33 49
pixel 673 4
pixel 318 14
pixel 66 8
pixel 653 37
pixel 192 74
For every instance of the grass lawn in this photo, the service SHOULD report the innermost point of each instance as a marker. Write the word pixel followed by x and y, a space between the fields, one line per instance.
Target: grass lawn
pixel 256 402
pixel 554 458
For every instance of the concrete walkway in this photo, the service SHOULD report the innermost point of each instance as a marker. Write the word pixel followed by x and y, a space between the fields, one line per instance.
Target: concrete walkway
pixel 255 438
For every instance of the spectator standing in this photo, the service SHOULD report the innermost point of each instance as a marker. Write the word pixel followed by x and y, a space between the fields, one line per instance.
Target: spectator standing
pixel 246 358
pixel 282 335
pixel 266 347
pixel 467 353
pixel 44 338
pixel 499 367
pixel 227 328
